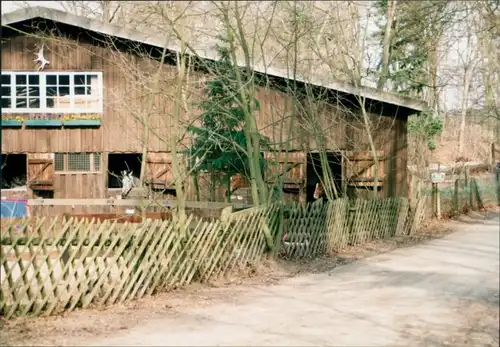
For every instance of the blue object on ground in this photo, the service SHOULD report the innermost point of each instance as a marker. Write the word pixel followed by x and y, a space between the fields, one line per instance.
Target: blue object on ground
pixel 12 208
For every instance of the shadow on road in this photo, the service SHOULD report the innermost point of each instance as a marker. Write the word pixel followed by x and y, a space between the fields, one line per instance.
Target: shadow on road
pixel 478 218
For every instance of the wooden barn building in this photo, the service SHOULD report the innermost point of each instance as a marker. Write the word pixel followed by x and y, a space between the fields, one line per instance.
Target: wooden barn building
pixel 70 128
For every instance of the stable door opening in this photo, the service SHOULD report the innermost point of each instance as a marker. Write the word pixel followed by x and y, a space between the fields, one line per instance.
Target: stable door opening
pixel 117 163
pixel 315 172
pixel 14 171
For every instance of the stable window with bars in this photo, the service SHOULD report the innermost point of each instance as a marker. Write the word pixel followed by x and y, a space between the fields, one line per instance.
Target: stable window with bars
pixel 77 162
pixel 51 92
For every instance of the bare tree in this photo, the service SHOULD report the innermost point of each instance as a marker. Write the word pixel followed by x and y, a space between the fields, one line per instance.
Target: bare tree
pixel 391 8
pixel 469 61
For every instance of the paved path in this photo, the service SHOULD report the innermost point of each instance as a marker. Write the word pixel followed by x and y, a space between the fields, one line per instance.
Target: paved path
pixel 442 292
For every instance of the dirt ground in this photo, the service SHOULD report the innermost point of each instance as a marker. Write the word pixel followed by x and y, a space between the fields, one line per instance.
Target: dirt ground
pixel 441 292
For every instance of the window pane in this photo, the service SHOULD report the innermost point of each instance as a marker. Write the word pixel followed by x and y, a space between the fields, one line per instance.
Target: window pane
pixel 51 80
pixel 51 91
pixel 50 102
pixel 63 91
pixel 92 91
pixel 5 91
pixel 79 80
pixel 59 161
pixel 5 102
pixel 97 161
pixel 21 91
pixel 64 80
pixel 79 90
pixel 34 91
pixel 92 79
pixel 21 79
pixel 79 161
pixel 34 102
pixel 5 79
pixel 21 103
pixel 34 79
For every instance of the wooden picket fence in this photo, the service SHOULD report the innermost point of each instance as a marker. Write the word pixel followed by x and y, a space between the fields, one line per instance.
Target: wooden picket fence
pixel 317 228
pixel 106 262
pixel 49 265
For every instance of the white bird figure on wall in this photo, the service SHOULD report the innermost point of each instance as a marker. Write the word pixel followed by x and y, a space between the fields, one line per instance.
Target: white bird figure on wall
pixel 41 59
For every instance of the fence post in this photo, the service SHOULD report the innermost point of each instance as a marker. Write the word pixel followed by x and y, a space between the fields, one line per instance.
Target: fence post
pixel 480 204
pixel 492 158
pixel 497 181
pixel 403 215
pixel 436 201
pixel 466 175
pixel 468 187
pixel 455 197
pixel 279 234
pixel 352 212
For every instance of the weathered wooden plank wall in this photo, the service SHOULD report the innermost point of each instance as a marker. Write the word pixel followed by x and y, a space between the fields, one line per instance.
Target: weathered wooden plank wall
pixel 127 79
pixel 127 98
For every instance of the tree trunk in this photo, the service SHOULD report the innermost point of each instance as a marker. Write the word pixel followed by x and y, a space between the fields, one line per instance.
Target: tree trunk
pixel 259 189
pixel 463 113
pixel 176 168
pixel 213 183
pixel 368 128
pixel 384 74
pixel 228 187
pixel 196 186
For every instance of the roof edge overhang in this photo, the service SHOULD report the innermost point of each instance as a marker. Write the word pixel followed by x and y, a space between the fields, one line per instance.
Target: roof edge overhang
pixel 411 105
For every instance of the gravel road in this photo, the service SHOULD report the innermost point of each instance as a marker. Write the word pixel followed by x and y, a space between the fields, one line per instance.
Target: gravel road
pixel 441 293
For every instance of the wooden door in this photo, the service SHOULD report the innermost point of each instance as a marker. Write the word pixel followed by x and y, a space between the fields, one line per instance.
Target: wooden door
pixel 41 173
pixel 359 169
pixel 159 170
pixel 293 168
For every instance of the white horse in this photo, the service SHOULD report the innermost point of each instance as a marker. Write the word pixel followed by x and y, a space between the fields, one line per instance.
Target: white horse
pixel 129 181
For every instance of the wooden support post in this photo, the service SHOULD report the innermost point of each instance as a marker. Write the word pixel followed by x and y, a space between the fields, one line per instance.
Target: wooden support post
pixel 455 197
pixel 468 186
pixel 475 186
pixel 226 213
pixel 492 158
pixel 497 181
pixel 436 200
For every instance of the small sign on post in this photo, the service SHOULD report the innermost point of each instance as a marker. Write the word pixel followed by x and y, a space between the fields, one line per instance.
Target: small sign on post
pixel 438 177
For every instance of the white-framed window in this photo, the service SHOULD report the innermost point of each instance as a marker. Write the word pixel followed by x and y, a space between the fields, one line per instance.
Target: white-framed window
pixel 77 162
pixel 52 92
